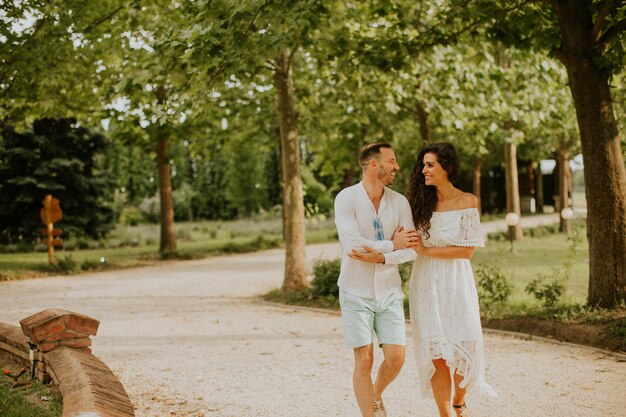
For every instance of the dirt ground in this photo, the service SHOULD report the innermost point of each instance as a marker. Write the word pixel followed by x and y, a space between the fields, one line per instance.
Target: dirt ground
pixel 191 339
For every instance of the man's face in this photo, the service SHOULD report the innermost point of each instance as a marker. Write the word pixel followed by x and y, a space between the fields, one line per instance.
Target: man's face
pixel 387 166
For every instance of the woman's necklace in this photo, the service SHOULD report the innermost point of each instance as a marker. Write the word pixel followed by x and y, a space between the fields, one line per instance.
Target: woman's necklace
pixel 447 197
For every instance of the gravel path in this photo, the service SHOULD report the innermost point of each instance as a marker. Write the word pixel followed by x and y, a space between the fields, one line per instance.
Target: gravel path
pixel 190 339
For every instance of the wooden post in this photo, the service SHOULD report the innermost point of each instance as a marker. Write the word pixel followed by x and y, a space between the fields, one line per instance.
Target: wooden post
pixel 50 213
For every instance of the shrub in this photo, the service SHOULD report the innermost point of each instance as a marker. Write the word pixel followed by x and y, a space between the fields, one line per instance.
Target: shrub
pixel 12 248
pixel 493 286
pixel 183 234
pixel 82 243
pixel 130 216
pixel 548 292
pixel 405 272
pixel 89 265
pixel 548 288
pixel 260 243
pixel 67 265
pixel 325 275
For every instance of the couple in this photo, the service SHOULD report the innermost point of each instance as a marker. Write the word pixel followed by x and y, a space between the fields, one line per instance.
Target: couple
pixel 378 229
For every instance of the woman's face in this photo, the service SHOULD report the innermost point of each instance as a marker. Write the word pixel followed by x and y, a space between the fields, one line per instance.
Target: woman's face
pixel 433 172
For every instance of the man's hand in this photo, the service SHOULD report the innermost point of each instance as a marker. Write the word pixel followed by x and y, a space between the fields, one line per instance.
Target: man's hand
pixel 404 238
pixel 371 255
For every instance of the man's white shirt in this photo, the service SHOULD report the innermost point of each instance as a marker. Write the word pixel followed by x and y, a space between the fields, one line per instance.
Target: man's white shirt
pixel 354 216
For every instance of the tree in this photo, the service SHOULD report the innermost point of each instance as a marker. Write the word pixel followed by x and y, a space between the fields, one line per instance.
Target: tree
pixel 588 37
pixel 56 157
pixel 53 58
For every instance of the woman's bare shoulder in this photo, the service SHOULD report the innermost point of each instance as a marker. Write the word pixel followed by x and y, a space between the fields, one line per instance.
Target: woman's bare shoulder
pixel 468 200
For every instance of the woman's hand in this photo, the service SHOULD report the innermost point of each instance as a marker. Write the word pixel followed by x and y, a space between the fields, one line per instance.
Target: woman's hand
pixel 419 247
pixel 371 255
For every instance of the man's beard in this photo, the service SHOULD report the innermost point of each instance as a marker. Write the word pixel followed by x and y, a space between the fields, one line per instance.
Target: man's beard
pixel 385 177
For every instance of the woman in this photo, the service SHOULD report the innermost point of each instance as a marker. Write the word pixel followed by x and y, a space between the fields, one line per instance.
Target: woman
pixel 443 300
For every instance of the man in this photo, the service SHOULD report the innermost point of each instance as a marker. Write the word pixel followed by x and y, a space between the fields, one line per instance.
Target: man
pixel 371 298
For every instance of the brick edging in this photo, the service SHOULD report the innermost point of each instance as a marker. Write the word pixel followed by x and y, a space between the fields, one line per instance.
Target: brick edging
pixel 87 385
pixel 13 341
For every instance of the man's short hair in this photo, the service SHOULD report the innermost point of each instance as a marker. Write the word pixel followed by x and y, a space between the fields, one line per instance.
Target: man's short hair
pixel 371 150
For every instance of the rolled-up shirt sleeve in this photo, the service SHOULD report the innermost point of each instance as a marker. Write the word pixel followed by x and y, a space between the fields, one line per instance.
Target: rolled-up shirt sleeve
pixel 348 229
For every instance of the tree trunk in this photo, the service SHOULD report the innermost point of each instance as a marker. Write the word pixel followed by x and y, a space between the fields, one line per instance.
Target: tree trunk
pixel 512 187
pixel 168 238
pixel 293 200
pixel 478 163
pixel 422 116
pixel 540 198
pixel 605 176
pixel 563 189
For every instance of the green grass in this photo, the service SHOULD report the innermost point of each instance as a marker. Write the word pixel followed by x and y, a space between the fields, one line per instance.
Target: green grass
pixel 534 256
pixel 130 246
pixel 16 403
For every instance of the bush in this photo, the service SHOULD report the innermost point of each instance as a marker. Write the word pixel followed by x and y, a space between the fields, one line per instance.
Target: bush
pixel 9 248
pixel 493 286
pixel 89 265
pixel 325 275
pixel 130 216
pixel 548 292
pixel 548 288
pixel 405 272
pixel 260 243
pixel 183 234
pixel 67 265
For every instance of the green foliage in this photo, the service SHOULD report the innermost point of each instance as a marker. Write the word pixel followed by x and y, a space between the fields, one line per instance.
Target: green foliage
pixel 493 286
pixel 90 265
pixel 56 157
pixel 325 276
pixel 66 265
pixel 55 58
pixel 546 291
pixel 130 216
pixel 260 243
pixel 405 272
pixel 549 287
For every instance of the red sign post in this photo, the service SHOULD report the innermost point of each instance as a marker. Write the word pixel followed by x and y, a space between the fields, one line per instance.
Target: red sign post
pixel 51 213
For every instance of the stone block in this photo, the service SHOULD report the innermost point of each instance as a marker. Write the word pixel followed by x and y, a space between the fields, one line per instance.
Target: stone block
pixel 81 324
pixel 56 324
pixel 46 347
pixel 63 336
pixel 78 343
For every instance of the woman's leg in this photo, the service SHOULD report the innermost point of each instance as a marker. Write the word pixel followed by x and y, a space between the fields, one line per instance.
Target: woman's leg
pixel 459 393
pixel 442 386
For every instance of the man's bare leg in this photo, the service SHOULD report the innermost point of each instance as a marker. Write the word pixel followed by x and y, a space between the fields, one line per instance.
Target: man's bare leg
pixel 362 379
pixel 389 369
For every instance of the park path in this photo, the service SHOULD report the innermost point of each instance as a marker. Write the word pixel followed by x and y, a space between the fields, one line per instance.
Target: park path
pixel 190 339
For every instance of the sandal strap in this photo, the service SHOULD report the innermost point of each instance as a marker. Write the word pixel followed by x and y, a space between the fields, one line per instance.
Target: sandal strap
pixel 462 406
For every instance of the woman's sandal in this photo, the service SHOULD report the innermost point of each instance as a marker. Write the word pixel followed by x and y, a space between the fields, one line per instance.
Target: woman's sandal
pixel 461 409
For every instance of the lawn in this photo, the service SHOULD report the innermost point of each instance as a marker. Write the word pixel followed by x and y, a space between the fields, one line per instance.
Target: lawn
pixel 130 246
pixel 534 256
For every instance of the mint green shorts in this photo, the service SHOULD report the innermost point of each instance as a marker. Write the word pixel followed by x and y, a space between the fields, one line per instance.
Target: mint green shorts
pixel 365 319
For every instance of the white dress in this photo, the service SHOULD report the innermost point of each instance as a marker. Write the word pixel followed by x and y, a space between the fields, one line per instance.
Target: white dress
pixel 445 319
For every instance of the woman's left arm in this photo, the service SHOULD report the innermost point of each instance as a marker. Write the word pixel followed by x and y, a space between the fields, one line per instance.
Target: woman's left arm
pixel 445 252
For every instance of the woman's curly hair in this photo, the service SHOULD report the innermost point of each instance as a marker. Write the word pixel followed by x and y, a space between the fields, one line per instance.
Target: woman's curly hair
pixel 422 197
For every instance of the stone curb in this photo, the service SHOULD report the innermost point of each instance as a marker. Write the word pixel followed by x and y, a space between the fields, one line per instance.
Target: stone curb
pixel 524 336
pixel 87 385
